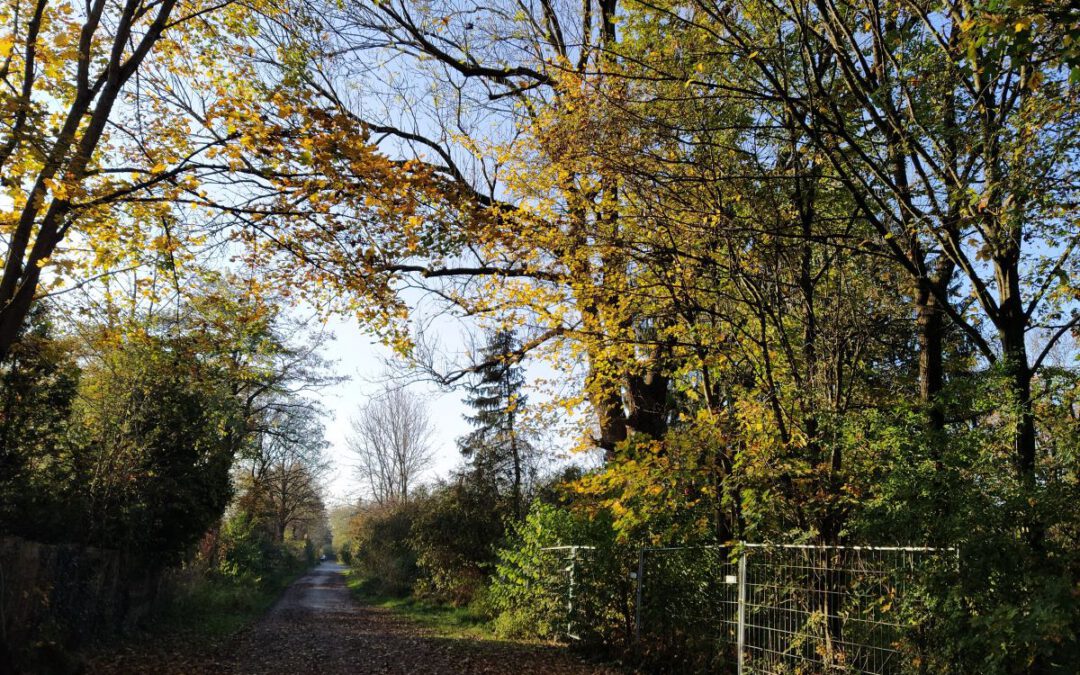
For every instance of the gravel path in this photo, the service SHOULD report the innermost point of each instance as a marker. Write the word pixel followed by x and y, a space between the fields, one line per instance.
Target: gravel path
pixel 316 627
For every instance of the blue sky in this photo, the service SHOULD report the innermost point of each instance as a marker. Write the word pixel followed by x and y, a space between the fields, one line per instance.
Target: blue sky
pixel 363 360
pixel 359 357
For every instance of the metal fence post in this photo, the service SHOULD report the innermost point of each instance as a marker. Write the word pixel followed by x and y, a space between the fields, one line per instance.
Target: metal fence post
pixel 637 599
pixel 570 570
pixel 570 594
pixel 740 640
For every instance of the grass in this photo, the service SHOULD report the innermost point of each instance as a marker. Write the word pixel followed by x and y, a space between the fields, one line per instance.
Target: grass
pixel 217 607
pixel 443 620
pixel 202 614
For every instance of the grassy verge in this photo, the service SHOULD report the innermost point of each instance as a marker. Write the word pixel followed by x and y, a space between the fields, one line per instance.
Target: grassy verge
pixel 443 620
pixel 201 615
pixel 217 607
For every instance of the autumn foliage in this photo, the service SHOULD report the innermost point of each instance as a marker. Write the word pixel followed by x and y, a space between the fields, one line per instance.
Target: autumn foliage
pixel 805 271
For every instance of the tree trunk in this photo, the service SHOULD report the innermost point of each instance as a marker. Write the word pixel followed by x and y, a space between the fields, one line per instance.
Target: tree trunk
pixel 930 320
pixel 1018 373
pixel 516 453
pixel 610 416
pixel 1012 324
pixel 648 403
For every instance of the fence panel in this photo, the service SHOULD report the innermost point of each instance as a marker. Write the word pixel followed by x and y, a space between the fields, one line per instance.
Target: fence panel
pixel 687 607
pixel 785 609
pixel 569 583
pixel 819 609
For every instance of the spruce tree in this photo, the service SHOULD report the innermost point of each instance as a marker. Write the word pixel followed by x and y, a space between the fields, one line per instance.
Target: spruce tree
pixel 498 448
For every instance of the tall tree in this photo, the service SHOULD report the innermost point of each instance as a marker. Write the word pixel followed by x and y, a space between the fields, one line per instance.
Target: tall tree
pixel 156 421
pixel 77 139
pixel 543 241
pixel 958 146
pixel 391 441
pixel 499 445
pixel 283 467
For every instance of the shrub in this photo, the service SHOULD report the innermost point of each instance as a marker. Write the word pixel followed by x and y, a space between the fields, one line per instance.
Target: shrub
pixel 383 556
pixel 454 536
pixel 530 590
pixel 246 550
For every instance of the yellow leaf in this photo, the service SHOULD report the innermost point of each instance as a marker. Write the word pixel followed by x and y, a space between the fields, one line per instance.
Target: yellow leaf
pixel 6 43
pixel 58 189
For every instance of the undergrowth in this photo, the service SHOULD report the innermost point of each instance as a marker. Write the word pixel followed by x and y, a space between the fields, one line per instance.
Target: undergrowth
pixel 447 621
pixel 218 606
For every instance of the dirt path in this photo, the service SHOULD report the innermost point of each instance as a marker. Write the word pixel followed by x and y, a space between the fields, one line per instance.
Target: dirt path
pixel 316 627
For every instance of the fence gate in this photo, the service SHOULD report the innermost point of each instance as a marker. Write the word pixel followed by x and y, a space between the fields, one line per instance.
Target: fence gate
pixel 757 608
pixel 569 559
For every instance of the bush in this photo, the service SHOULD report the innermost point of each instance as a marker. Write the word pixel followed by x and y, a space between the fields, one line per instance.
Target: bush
pixel 531 585
pixel 454 536
pixel 246 552
pixel 383 556
pixel 1008 604
pixel 218 604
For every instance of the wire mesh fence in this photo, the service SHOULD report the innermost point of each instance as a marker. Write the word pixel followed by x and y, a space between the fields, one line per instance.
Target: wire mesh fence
pixel 571 587
pixel 583 594
pixel 755 608
pixel 842 609
pixel 687 608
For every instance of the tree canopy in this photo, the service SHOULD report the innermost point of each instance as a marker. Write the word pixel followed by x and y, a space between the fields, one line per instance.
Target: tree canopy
pixel 807 270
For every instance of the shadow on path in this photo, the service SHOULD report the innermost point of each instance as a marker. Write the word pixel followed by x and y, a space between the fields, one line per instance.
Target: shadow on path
pixel 317 627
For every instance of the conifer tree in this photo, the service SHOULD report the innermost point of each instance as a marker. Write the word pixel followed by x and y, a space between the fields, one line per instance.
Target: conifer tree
pixel 497 447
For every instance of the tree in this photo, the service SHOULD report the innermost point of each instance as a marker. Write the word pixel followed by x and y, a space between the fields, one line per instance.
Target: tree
pixel 281 472
pixel 38 386
pixel 959 151
pixel 122 431
pixel 82 151
pixel 156 446
pixel 499 446
pixel 391 441
pixel 547 236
